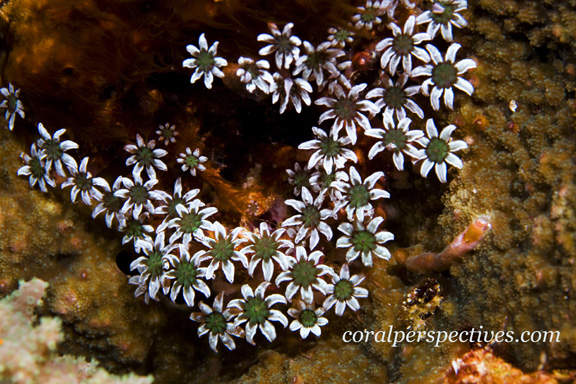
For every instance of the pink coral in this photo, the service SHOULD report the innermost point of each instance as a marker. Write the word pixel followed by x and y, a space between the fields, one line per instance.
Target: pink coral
pixel 461 245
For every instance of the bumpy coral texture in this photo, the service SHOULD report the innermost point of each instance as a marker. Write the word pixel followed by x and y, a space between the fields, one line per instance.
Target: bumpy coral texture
pixel 518 172
pixel 526 272
pixel 28 351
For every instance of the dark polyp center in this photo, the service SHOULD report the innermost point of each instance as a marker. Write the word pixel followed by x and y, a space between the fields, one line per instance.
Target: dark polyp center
pixel 37 168
pixel 359 196
pixel 343 290
pixel 53 149
pixel 139 194
pixel 396 137
pixel 308 318
pixel 154 264
pixel 311 217
pixel 444 17
pixel 444 75
pixel 145 156
pixel 345 109
pixel 403 45
pixel 256 310
pixel 191 161
pixel 330 147
pixel 265 248
pixel 205 61
pixel 304 273
pixel 364 241
pixel 216 323
pixel 190 223
pixel 437 150
pixel 186 274
pixel 395 97
pixel 223 250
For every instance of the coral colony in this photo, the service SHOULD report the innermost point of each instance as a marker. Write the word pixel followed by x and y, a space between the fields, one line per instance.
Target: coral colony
pixel 334 202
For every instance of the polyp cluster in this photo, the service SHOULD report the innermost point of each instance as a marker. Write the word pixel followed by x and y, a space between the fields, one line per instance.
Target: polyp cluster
pixel 182 256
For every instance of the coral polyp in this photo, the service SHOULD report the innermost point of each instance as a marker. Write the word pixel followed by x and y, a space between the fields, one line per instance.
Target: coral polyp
pixel 188 237
pixel 252 227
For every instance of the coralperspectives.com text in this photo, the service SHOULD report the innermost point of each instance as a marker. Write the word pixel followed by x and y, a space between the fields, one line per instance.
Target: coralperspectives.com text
pixel 438 337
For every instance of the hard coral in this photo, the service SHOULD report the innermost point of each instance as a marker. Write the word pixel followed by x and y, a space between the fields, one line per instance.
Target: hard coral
pixel 515 164
pixel 37 360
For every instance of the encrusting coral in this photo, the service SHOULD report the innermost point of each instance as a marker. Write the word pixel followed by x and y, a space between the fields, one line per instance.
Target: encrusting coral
pixel 28 352
pixel 203 201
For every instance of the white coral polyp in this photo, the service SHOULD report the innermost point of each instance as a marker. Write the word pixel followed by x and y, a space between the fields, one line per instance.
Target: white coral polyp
pixel 355 195
pixel 12 105
pixel 218 323
pixel 345 291
pixel 364 240
pixel 204 61
pixel 442 16
pixel 346 110
pixel 288 89
pixel 36 169
pixel 223 249
pixel 257 312
pixel 144 156
pixel 398 139
pixel 310 218
pixel 265 247
pixel 402 47
pixel 283 43
pixel 317 61
pixel 184 274
pixel 443 74
pixel 395 97
pixel 305 275
pixel 438 150
pixel 331 151
pixel 369 15
pixel 82 182
pixel 56 151
pixel 307 319
pixel 254 74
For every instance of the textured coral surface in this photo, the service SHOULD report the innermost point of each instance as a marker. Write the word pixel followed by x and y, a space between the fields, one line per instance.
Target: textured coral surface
pixel 35 341
pixel 107 70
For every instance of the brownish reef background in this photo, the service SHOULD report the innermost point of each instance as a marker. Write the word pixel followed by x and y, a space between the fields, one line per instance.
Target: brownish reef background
pixel 106 70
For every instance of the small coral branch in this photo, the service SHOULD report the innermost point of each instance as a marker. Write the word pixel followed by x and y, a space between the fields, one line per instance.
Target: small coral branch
pixel 460 246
